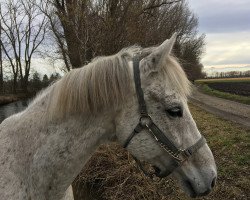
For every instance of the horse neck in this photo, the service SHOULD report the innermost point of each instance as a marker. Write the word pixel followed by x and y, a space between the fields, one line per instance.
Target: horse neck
pixel 66 148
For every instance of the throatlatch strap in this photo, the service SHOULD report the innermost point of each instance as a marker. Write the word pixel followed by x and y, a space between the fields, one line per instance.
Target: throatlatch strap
pixel 137 80
pixel 137 130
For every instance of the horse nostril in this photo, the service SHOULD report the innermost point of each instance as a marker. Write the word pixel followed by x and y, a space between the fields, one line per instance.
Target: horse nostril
pixel 157 170
pixel 191 189
pixel 213 182
pixel 205 193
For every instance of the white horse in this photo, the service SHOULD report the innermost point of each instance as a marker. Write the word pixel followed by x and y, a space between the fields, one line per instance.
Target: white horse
pixel 43 148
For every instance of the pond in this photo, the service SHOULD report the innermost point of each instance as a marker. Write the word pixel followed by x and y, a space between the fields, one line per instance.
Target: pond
pixel 12 108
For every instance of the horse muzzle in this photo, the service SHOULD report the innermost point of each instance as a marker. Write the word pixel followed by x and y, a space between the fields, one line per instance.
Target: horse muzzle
pixel 191 189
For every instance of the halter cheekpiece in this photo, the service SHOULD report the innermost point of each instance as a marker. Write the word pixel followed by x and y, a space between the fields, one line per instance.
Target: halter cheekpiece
pixel 146 122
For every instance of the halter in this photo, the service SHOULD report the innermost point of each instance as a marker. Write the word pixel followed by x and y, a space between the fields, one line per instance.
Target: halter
pixel 146 122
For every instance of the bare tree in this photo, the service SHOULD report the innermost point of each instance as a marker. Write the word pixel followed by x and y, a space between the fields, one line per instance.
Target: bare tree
pixel 56 34
pixel 84 29
pixel 23 29
pixel 71 14
pixel 7 40
pixel 90 28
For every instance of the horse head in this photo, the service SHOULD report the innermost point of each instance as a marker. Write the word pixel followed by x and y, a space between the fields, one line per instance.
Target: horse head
pixel 164 132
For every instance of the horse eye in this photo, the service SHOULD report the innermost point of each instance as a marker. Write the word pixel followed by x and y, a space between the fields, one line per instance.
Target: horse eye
pixel 175 112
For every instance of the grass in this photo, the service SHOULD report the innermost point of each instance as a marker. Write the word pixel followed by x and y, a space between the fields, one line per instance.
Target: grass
pixel 230 144
pixel 216 80
pixel 111 172
pixel 225 95
pixel 241 99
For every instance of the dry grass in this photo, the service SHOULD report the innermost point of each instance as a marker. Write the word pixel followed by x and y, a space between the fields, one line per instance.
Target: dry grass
pixel 112 174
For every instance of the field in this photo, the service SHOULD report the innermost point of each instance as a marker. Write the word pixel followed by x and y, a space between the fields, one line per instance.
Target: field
pixel 236 89
pixel 245 79
pixel 112 174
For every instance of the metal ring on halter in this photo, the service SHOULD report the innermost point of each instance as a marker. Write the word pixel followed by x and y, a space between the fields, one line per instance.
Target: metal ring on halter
pixel 145 119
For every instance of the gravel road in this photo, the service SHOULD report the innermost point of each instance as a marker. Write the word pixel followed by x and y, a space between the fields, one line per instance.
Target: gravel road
pixel 230 110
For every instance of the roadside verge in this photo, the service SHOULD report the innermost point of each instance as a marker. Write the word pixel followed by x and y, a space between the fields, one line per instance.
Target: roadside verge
pixel 230 110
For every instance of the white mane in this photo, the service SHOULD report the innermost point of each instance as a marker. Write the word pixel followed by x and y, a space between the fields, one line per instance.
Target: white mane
pixel 103 84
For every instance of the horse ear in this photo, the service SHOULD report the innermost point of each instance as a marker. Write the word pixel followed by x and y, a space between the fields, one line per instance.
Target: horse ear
pixel 154 59
pixel 166 47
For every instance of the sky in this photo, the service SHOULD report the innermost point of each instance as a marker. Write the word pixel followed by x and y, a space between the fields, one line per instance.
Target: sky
pixel 226 24
pixel 42 66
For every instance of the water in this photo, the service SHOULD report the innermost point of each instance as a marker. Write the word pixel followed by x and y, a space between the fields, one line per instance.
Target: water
pixel 12 108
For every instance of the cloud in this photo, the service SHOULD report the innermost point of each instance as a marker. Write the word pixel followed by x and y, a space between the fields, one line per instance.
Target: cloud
pixel 222 16
pixel 226 24
pixel 227 48
pixel 40 65
pixel 45 66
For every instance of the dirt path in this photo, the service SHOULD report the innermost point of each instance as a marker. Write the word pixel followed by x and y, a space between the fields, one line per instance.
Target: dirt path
pixel 230 110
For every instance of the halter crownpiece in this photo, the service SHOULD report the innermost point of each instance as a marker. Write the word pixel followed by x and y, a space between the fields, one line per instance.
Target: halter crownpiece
pixel 146 122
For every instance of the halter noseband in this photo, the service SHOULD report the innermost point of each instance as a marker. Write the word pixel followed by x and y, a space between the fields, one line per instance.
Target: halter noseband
pixel 145 122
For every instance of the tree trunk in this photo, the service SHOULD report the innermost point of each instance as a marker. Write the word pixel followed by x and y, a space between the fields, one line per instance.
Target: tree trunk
pixel 1 61
pixel 1 69
pixel 14 87
pixel 1 72
pixel 74 47
pixel 66 14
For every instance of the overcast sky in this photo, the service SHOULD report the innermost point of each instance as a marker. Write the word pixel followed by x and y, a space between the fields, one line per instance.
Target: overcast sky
pixel 226 24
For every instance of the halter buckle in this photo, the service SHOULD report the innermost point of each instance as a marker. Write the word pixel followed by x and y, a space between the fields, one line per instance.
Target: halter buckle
pixel 183 155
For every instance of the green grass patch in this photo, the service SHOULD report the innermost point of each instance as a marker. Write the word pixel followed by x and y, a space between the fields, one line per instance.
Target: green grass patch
pixel 241 99
pixel 243 160
pixel 230 144
pixel 219 80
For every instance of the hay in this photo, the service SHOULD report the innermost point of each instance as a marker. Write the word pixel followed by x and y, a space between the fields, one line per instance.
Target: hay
pixel 112 174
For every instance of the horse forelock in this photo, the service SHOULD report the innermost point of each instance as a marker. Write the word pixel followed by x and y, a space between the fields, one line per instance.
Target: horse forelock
pixel 176 76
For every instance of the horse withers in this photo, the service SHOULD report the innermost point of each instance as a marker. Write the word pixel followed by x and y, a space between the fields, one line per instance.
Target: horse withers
pixel 138 96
